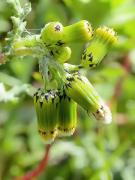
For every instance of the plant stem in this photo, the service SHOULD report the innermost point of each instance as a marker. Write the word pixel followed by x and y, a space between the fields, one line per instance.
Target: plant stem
pixel 25 51
pixel 2 58
pixel 39 169
pixel 118 88
pixel 43 69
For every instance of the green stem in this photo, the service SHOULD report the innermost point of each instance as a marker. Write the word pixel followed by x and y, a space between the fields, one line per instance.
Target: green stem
pixel 28 41
pixel 30 45
pixel 56 76
pixel 25 51
pixel 43 69
pixel 58 68
pixel 58 72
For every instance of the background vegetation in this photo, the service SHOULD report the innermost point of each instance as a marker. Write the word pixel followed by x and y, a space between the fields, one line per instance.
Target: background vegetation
pixel 94 152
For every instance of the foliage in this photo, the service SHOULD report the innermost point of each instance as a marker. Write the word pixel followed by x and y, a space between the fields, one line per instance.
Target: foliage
pixel 95 151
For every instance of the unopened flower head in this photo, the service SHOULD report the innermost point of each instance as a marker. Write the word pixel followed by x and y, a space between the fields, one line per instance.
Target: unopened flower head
pixel 61 54
pixel 67 115
pixel 52 34
pixel 47 114
pixel 98 47
pixel 107 35
pixel 80 90
pixel 78 32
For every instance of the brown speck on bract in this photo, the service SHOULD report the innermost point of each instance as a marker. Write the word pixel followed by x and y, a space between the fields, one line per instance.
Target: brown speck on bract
pixel 57 28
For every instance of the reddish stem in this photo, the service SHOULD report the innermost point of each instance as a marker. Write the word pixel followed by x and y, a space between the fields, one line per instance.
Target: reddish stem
pixel 118 88
pixel 39 169
pixel 126 64
pixel 2 58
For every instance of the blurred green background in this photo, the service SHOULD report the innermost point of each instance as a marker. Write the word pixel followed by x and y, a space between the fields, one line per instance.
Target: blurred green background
pixel 94 152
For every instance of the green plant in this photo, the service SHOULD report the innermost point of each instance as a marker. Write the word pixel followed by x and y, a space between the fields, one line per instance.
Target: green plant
pixel 24 48
pixel 51 49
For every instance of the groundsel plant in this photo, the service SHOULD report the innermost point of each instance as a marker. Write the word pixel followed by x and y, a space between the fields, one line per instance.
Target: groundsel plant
pixel 63 86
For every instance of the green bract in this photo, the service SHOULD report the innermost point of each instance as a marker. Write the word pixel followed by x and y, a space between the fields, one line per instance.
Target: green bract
pixel 67 115
pixel 47 114
pixel 28 41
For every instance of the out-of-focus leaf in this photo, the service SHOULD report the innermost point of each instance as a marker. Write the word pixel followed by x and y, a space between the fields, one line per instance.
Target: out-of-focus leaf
pixel 13 93
pixel 90 10
pixel 23 69
pixel 120 15
pixel 4 25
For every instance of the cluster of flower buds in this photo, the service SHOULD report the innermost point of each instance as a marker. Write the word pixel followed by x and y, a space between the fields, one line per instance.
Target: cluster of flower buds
pixel 56 114
pixel 57 107
pixel 56 37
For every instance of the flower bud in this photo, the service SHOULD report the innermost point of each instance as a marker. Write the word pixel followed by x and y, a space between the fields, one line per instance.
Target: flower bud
pixel 81 91
pixel 67 116
pixel 103 39
pixel 61 54
pixel 78 32
pixel 47 114
pixel 52 33
pixel 106 35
